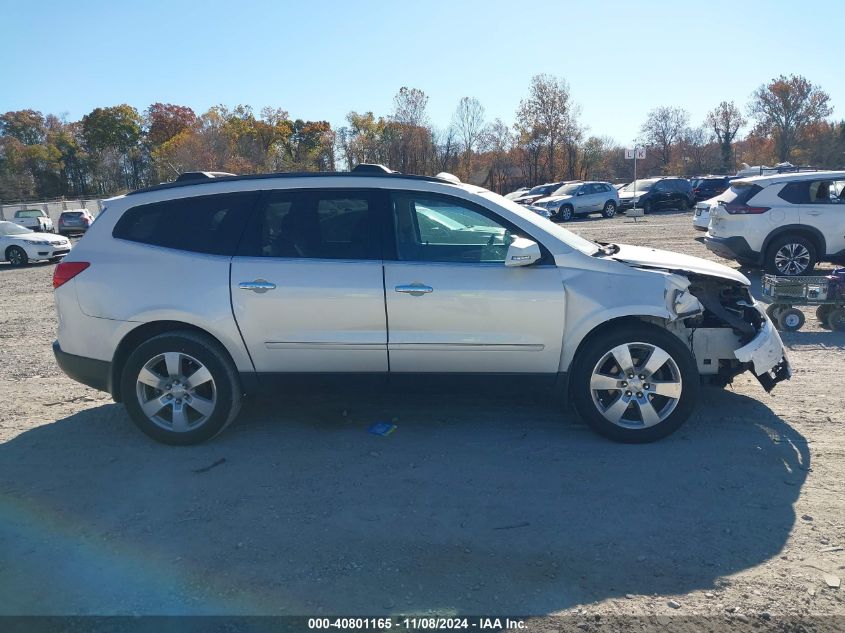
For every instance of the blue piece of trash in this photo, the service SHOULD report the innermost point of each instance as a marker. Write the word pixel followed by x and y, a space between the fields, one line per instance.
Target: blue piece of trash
pixel 382 428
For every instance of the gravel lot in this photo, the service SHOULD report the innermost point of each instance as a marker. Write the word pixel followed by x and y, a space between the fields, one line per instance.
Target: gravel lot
pixel 473 506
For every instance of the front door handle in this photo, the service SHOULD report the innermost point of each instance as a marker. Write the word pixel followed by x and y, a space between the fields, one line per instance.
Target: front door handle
pixel 414 289
pixel 258 285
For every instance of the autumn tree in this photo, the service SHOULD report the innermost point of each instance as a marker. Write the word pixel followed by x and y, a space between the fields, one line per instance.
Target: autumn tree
pixel 662 129
pixel 166 120
pixel 546 117
pixel 725 120
pixel 113 135
pixel 786 107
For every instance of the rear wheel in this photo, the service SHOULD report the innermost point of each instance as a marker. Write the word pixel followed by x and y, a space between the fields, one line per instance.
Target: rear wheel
pixel 16 256
pixel 609 209
pixel 790 255
pixel 773 310
pixel 636 384
pixel 823 311
pixel 836 319
pixel 181 388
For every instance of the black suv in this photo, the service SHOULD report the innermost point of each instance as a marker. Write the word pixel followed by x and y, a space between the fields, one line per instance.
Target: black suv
pixel 652 194
pixel 540 191
pixel 706 187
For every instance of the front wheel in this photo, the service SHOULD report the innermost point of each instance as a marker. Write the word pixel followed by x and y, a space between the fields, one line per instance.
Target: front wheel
pixel 637 384
pixel 16 256
pixel 609 209
pixel 565 214
pixel 181 388
pixel 647 206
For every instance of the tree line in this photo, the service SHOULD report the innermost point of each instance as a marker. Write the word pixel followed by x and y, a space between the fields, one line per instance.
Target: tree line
pixel 117 148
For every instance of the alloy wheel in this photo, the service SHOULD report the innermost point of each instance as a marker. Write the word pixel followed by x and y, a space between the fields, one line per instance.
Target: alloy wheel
pixel 176 391
pixel 636 385
pixel 792 259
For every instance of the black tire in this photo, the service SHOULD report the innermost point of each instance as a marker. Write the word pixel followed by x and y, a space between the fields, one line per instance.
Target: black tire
pixel 790 320
pixel 773 310
pixel 806 257
pixel 565 214
pixel 647 206
pixel 595 349
pixel 209 353
pixel 609 209
pixel 16 256
pixel 823 312
pixel 836 319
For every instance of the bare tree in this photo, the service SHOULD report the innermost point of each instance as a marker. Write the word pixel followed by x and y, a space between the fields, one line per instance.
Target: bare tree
pixel 468 122
pixel 725 120
pixel 663 128
pixel 785 107
pixel 546 115
pixel 409 106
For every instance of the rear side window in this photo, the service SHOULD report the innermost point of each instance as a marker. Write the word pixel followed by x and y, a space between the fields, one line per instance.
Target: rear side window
pixel 323 224
pixel 795 192
pixel 202 224
pixel 31 213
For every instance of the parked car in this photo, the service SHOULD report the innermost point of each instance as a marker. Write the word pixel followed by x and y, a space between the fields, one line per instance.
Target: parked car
pixel 619 185
pixel 516 194
pixel 75 221
pixel 701 215
pixel 706 187
pixel 580 198
pixel 184 297
pixel 653 194
pixel 20 245
pixel 535 193
pixel 34 219
pixel 786 223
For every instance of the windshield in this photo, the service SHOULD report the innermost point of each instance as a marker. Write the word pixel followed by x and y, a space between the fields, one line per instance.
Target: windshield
pixel 639 185
pixel 538 190
pixel 567 237
pixel 567 190
pixel 10 228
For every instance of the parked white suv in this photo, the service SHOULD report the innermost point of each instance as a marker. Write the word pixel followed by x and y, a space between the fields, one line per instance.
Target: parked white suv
pixel 184 297
pixel 786 223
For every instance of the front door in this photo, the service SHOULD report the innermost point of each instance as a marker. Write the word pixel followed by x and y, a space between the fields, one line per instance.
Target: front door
pixel 307 288
pixel 453 305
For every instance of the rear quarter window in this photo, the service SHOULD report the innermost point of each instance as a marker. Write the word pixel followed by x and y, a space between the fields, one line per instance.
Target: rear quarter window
pixel 202 224
pixel 739 193
pixel 795 192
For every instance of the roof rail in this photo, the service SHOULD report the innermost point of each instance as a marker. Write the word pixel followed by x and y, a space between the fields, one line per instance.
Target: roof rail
pixel 368 171
pixel 201 175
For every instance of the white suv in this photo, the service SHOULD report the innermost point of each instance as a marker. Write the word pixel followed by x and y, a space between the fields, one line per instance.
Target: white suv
pixel 184 297
pixel 786 223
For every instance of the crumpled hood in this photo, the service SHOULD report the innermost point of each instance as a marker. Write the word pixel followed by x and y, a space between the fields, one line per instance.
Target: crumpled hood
pixel 552 199
pixel 654 258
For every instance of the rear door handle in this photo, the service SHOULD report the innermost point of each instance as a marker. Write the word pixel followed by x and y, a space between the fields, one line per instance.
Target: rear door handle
pixel 414 289
pixel 258 285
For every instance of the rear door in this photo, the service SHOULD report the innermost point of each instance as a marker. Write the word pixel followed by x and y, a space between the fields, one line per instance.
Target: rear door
pixel 825 210
pixel 453 305
pixel 307 287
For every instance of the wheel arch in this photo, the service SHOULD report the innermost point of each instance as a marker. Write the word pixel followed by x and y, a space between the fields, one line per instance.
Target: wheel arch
pixel 145 331
pixel 803 230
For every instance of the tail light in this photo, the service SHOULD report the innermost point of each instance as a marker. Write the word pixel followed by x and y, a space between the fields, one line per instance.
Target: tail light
pixel 65 271
pixel 744 209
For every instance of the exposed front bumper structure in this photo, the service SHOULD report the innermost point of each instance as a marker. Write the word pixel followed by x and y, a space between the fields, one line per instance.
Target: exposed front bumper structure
pixel 766 355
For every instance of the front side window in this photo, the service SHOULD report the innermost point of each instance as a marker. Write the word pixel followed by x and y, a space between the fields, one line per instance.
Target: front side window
pixel 313 225
pixel 201 224
pixel 433 229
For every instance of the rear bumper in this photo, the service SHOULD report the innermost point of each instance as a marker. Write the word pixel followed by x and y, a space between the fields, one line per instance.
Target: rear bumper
pixel 89 371
pixel 732 248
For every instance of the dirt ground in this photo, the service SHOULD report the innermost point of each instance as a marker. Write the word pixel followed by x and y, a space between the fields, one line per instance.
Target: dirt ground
pixel 494 505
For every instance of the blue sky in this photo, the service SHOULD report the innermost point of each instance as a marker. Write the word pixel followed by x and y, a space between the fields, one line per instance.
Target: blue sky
pixel 321 59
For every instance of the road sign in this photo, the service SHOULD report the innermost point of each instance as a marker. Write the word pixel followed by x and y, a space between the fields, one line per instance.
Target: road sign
pixel 635 152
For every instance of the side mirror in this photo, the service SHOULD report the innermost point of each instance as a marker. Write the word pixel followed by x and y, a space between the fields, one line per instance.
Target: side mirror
pixel 522 252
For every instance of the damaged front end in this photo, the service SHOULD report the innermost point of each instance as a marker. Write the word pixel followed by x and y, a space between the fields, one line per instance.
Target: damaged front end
pixel 726 304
